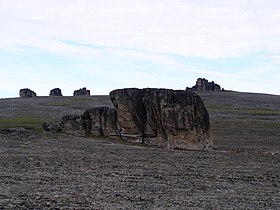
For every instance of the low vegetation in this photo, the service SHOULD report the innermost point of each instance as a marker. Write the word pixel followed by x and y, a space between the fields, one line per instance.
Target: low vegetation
pixel 26 121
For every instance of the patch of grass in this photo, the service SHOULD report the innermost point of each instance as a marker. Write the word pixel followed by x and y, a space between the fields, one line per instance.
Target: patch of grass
pixel 265 124
pixel 261 112
pixel 242 124
pixel 30 121
pixel 216 107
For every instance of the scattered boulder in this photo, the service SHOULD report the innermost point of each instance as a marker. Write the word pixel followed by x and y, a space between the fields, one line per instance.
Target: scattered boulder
pixel 55 92
pixel 82 92
pixel 174 119
pixel 27 93
pixel 204 85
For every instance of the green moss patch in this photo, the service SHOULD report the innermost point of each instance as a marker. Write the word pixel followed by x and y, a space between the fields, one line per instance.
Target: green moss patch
pixel 30 121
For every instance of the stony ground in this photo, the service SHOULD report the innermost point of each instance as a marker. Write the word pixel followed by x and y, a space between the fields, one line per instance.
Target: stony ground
pixel 43 171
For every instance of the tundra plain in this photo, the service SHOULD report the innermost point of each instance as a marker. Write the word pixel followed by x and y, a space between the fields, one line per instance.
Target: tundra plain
pixel 54 171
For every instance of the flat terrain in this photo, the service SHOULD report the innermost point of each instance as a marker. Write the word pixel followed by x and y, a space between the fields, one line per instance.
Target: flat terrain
pixel 45 171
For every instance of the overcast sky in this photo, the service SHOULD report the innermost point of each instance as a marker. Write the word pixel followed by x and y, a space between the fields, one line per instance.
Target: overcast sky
pixel 110 44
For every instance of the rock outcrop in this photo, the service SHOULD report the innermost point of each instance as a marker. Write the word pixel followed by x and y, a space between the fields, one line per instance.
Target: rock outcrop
pixel 174 119
pixel 82 92
pixel 27 93
pixel 55 92
pixel 204 85
pixel 70 124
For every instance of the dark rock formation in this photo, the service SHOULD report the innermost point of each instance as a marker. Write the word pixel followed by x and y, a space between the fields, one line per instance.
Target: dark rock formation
pixel 70 124
pixel 162 117
pixel 204 85
pixel 82 92
pixel 173 119
pixel 55 92
pixel 27 93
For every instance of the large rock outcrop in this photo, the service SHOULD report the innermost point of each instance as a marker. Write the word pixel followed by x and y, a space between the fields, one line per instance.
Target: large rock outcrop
pixel 55 92
pixel 27 93
pixel 204 85
pixel 82 92
pixel 174 119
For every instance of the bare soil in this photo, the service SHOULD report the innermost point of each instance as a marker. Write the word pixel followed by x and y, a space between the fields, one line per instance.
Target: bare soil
pixel 51 171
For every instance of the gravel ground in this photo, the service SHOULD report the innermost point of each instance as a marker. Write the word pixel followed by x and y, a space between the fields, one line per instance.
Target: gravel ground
pixel 44 171
pixel 63 172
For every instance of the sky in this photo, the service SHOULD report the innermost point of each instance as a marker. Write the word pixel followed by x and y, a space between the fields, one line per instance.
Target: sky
pixel 111 44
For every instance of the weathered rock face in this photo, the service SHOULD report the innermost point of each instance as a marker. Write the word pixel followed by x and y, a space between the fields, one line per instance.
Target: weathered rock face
pixel 101 121
pixel 162 117
pixel 55 92
pixel 204 85
pixel 27 93
pixel 82 92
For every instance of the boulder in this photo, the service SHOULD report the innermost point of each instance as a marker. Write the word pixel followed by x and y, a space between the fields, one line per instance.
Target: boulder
pixel 55 92
pixel 82 92
pixel 27 93
pixel 174 119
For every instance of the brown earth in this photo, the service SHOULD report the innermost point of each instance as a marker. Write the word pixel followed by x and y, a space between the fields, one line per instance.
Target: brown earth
pixel 45 171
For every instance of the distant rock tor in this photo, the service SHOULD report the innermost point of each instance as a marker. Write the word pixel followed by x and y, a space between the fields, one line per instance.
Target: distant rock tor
pixel 55 92
pixel 204 85
pixel 27 93
pixel 173 119
pixel 82 92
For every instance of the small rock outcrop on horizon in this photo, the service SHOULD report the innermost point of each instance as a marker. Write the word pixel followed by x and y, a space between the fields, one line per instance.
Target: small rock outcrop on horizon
pixel 82 92
pixel 27 93
pixel 55 92
pixel 204 85
pixel 173 119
